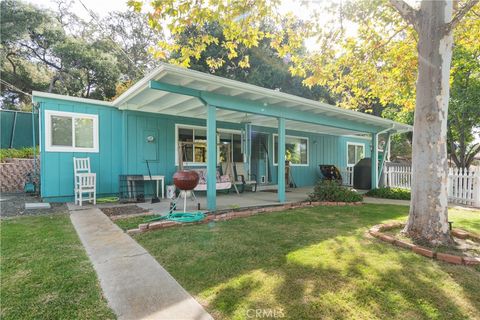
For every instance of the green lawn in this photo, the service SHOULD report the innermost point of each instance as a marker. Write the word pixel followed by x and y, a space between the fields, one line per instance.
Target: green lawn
pixel 315 263
pixel 45 272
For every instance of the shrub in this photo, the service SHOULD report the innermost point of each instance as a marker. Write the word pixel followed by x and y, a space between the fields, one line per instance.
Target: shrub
pixel 23 153
pixel 329 190
pixel 390 193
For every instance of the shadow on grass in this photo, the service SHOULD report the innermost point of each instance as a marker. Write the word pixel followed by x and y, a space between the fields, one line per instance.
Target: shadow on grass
pixel 312 263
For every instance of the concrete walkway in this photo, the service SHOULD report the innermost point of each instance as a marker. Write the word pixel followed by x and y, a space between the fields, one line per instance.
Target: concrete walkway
pixel 135 285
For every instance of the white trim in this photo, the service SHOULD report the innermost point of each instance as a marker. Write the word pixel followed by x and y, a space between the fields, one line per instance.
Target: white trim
pixel 353 136
pixel 74 115
pixel 291 164
pixel 192 75
pixel 73 99
pixel 349 143
pixel 188 126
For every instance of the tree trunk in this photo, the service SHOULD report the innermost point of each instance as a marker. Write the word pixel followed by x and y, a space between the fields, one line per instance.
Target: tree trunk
pixel 428 219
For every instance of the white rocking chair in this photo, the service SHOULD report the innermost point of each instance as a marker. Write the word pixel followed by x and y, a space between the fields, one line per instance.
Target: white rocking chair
pixel 85 181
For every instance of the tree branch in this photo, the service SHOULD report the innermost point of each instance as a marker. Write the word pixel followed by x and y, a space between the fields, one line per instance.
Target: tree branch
pixel 407 12
pixel 41 57
pixel 380 45
pixel 460 14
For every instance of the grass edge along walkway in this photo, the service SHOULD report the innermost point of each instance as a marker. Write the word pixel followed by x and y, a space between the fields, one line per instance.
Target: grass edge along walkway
pixel 45 272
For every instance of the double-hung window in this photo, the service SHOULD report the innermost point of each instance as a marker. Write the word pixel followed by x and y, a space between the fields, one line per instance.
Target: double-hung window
pixel 71 132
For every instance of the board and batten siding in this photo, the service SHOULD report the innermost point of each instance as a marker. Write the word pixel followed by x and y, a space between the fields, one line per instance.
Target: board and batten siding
pixel 123 149
pixel 161 153
pixel 57 167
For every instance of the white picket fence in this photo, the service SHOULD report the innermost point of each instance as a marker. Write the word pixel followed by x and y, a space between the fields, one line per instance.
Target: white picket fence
pixel 463 185
pixel 347 176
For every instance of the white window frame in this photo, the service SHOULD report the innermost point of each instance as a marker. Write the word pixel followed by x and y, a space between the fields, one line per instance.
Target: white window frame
pixel 355 144
pixel 188 126
pixel 275 163
pixel 74 115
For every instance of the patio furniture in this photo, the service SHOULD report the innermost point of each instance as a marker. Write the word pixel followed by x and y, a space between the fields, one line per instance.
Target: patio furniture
pixel 223 181
pixel 84 181
pixel 131 188
pixel 244 178
pixel 330 172
pixel 160 184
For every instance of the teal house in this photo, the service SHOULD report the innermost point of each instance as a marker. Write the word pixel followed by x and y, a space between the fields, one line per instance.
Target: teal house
pixel 173 106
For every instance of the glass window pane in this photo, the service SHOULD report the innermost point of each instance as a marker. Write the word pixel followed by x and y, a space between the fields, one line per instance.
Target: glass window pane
pixel 200 149
pixel 303 151
pixel 360 153
pixel 351 154
pixel 200 135
pixel 296 150
pixel 84 133
pixel 237 148
pixel 200 153
pixel 225 138
pixel 292 151
pixel 186 135
pixel 61 131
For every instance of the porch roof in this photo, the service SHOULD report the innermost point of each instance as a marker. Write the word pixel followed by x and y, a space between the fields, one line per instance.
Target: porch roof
pixel 182 92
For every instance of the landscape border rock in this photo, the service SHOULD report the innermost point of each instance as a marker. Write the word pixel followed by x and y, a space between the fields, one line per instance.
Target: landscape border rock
pixel 222 215
pixel 376 231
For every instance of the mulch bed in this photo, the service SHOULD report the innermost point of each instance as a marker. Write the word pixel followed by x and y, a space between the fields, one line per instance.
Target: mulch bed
pixel 123 211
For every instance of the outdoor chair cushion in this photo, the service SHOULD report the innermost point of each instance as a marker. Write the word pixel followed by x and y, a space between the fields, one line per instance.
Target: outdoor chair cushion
pixel 223 181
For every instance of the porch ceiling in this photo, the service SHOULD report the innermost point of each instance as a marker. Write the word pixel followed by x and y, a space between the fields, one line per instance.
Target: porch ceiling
pixel 141 98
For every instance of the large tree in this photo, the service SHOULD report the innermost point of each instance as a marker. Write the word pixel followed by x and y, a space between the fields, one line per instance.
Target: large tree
pixel 58 52
pixel 374 69
pixel 434 22
pixel 67 64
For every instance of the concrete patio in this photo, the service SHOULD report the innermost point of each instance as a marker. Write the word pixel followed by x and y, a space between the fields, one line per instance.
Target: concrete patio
pixel 224 201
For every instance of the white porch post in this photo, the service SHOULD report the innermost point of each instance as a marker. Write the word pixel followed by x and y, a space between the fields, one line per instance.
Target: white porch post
pixel 211 157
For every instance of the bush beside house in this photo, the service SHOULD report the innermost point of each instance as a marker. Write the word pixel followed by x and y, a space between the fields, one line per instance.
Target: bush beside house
pixel 329 190
pixel 389 193
pixel 23 153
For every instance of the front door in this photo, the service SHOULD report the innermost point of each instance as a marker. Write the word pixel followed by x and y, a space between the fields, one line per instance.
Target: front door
pixel 260 157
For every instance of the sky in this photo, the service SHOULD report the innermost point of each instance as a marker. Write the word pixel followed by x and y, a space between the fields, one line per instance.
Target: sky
pixel 102 7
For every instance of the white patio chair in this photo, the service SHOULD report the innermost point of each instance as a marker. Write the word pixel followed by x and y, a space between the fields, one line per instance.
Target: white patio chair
pixel 85 181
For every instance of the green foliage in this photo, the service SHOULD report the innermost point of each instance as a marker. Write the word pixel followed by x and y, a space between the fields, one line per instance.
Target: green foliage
pixel 266 69
pixel 329 190
pixel 58 52
pixel 464 106
pixel 240 25
pixel 24 153
pixel 389 193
